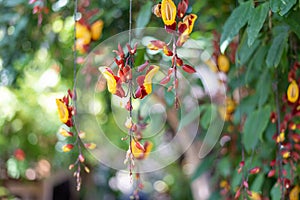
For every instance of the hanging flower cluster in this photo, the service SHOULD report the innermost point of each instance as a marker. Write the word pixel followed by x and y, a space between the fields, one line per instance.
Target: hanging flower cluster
pixel 136 149
pixel 288 139
pixel 125 84
pixel 171 15
pixel 66 111
pixel 180 24
pixel 124 75
pixel 86 33
pixel 87 29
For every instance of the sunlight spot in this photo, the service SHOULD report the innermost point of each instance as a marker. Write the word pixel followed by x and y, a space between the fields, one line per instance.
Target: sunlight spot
pixel 32 139
pixel 2 33
pixel 10 30
pixel 160 186
pixel 49 78
pixel 42 54
pixel 1 61
pixel 59 4
pixel 123 182
pixel 57 25
pixel 95 107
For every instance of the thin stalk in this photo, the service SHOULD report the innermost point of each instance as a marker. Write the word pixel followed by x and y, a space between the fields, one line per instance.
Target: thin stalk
pixel 130 21
pixel 175 71
pixel 278 157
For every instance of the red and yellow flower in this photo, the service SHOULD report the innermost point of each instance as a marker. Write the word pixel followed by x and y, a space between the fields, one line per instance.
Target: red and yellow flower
pixel 140 151
pixel 168 12
pixel 113 82
pixel 86 33
pixel 65 111
pixel 293 92
pixel 145 82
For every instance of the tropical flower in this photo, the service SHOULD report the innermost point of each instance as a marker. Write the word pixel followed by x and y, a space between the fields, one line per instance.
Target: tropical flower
pixel 63 111
pixel 113 82
pixel 145 82
pixel 96 29
pixel 83 33
pixel 293 92
pixel 65 133
pixel 294 193
pixel 168 12
pixel 67 147
pixel 189 20
pixel 140 151
pixel 86 33
pixel 182 8
pixel 223 63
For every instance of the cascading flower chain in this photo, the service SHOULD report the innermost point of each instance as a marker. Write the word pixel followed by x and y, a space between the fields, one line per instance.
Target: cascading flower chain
pixel 288 138
pixel 180 24
pixel 138 89
pixel 66 112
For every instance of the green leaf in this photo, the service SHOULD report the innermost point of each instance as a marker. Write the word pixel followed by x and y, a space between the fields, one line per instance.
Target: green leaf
pixel 236 179
pixel 215 196
pixel 293 20
pixel 238 18
pixel 170 98
pixel 275 192
pixel 245 51
pixel 246 106
pixel 259 58
pixel 224 167
pixel 208 116
pixel 144 16
pixel 204 166
pixel 256 63
pixel 278 44
pixel 191 116
pixel 282 6
pixel 256 21
pixel 255 125
pixel 263 87
pixel 257 183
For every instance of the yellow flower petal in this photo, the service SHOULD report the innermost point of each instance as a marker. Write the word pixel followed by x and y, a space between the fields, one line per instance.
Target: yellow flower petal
pixel 148 149
pixel 139 153
pixel 280 138
pixel 96 29
pixel 255 196
pixel 223 63
pixel 286 154
pixel 65 133
pixel 294 194
pixel 168 12
pixel 190 21
pixel 293 92
pixel 82 32
pixel 111 81
pixel 63 112
pixel 148 78
pixel 136 152
pixel 67 147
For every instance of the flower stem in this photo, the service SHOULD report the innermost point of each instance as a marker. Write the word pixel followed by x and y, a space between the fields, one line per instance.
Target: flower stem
pixel 278 156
